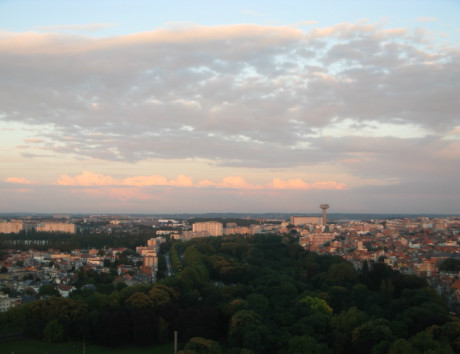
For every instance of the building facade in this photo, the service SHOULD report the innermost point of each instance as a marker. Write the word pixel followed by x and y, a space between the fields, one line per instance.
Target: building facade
pixel 214 228
pixel 302 220
pixel 55 227
pixel 12 227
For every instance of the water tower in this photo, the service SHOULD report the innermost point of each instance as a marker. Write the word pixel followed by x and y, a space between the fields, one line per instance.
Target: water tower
pixel 324 207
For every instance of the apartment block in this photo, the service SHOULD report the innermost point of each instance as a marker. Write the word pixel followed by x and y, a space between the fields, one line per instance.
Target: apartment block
pixel 212 227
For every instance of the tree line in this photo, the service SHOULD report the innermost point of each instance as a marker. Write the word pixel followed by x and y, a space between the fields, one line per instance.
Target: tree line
pixel 42 241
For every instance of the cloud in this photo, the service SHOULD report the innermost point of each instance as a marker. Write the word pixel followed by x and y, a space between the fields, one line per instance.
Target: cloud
pixel 289 184
pixel 87 179
pixel 246 96
pixel 302 185
pixel 140 181
pixel 87 27
pixel 17 180
pixel 33 141
pixel 427 19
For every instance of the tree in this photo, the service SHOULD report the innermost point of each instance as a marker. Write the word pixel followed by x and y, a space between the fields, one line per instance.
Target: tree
pixel 342 273
pixel 48 290
pixel 258 303
pixel 423 342
pixel 315 303
pixel 114 327
pixel 162 295
pixel 144 326
pixel 53 332
pixel 370 334
pixel 198 345
pixel 401 346
pixel 241 324
pixel 347 320
pixel 304 345
pixel 450 265
pixel 140 300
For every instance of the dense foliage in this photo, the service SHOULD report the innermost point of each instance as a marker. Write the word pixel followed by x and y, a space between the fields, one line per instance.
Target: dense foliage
pixel 450 265
pixel 67 242
pixel 261 294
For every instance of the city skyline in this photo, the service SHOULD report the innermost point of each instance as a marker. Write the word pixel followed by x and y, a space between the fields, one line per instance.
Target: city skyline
pixel 173 108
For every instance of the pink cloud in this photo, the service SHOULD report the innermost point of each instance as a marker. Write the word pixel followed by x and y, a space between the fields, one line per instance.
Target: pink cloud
pixel 289 184
pixel 182 181
pixel 52 43
pixel 18 180
pixel 206 183
pixel 86 178
pixel 236 182
pixel 302 185
pixel 328 185
pixel 145 181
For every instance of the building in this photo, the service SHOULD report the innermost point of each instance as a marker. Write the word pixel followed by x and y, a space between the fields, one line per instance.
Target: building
pixel 55 227
pixel 12 227
pixel 237 230
pixel 214 228
pixel 315 240
pixel 151 262
pixel 303 220
pixel 7 302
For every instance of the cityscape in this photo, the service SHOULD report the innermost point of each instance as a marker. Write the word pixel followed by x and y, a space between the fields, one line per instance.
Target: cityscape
pixel 197 177
pixel 415 246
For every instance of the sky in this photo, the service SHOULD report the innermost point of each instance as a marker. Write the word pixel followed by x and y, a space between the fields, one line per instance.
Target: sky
pixel 205 106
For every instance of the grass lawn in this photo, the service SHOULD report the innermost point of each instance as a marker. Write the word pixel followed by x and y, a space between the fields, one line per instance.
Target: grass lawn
pixel 28 346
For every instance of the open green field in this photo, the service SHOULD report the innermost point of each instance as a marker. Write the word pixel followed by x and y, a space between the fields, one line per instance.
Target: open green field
pixel 28 346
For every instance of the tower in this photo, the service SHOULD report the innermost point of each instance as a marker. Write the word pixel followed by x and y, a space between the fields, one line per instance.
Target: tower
pixel 324 207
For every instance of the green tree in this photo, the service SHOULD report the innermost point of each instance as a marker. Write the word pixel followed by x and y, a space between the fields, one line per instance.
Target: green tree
pixel 258 303
pixel 48 290
pixel 247 331
pixel 451 331
pixel 342 273
pixel 304 345
pixel 315 303
pixel 198 345
pixel 53 332
pixel 423 342
pixel 348 320
pixel 140 300
pixel 401 346
pixel 370 334
pixel 450 265
pixel 162 295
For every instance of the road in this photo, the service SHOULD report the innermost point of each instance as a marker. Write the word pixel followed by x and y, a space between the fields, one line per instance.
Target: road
pixel 168 264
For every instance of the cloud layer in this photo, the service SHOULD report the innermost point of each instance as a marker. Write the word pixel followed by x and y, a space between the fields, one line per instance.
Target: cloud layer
pixel 354 99
pixel 88 178
pixel 258 95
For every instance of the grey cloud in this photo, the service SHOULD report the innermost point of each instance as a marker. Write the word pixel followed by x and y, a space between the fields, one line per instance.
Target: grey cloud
pixel 250 96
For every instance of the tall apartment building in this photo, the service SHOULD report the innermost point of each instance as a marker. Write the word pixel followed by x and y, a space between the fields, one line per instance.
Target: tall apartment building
pixel 12 227
pixel 55 227
pixel 214 228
